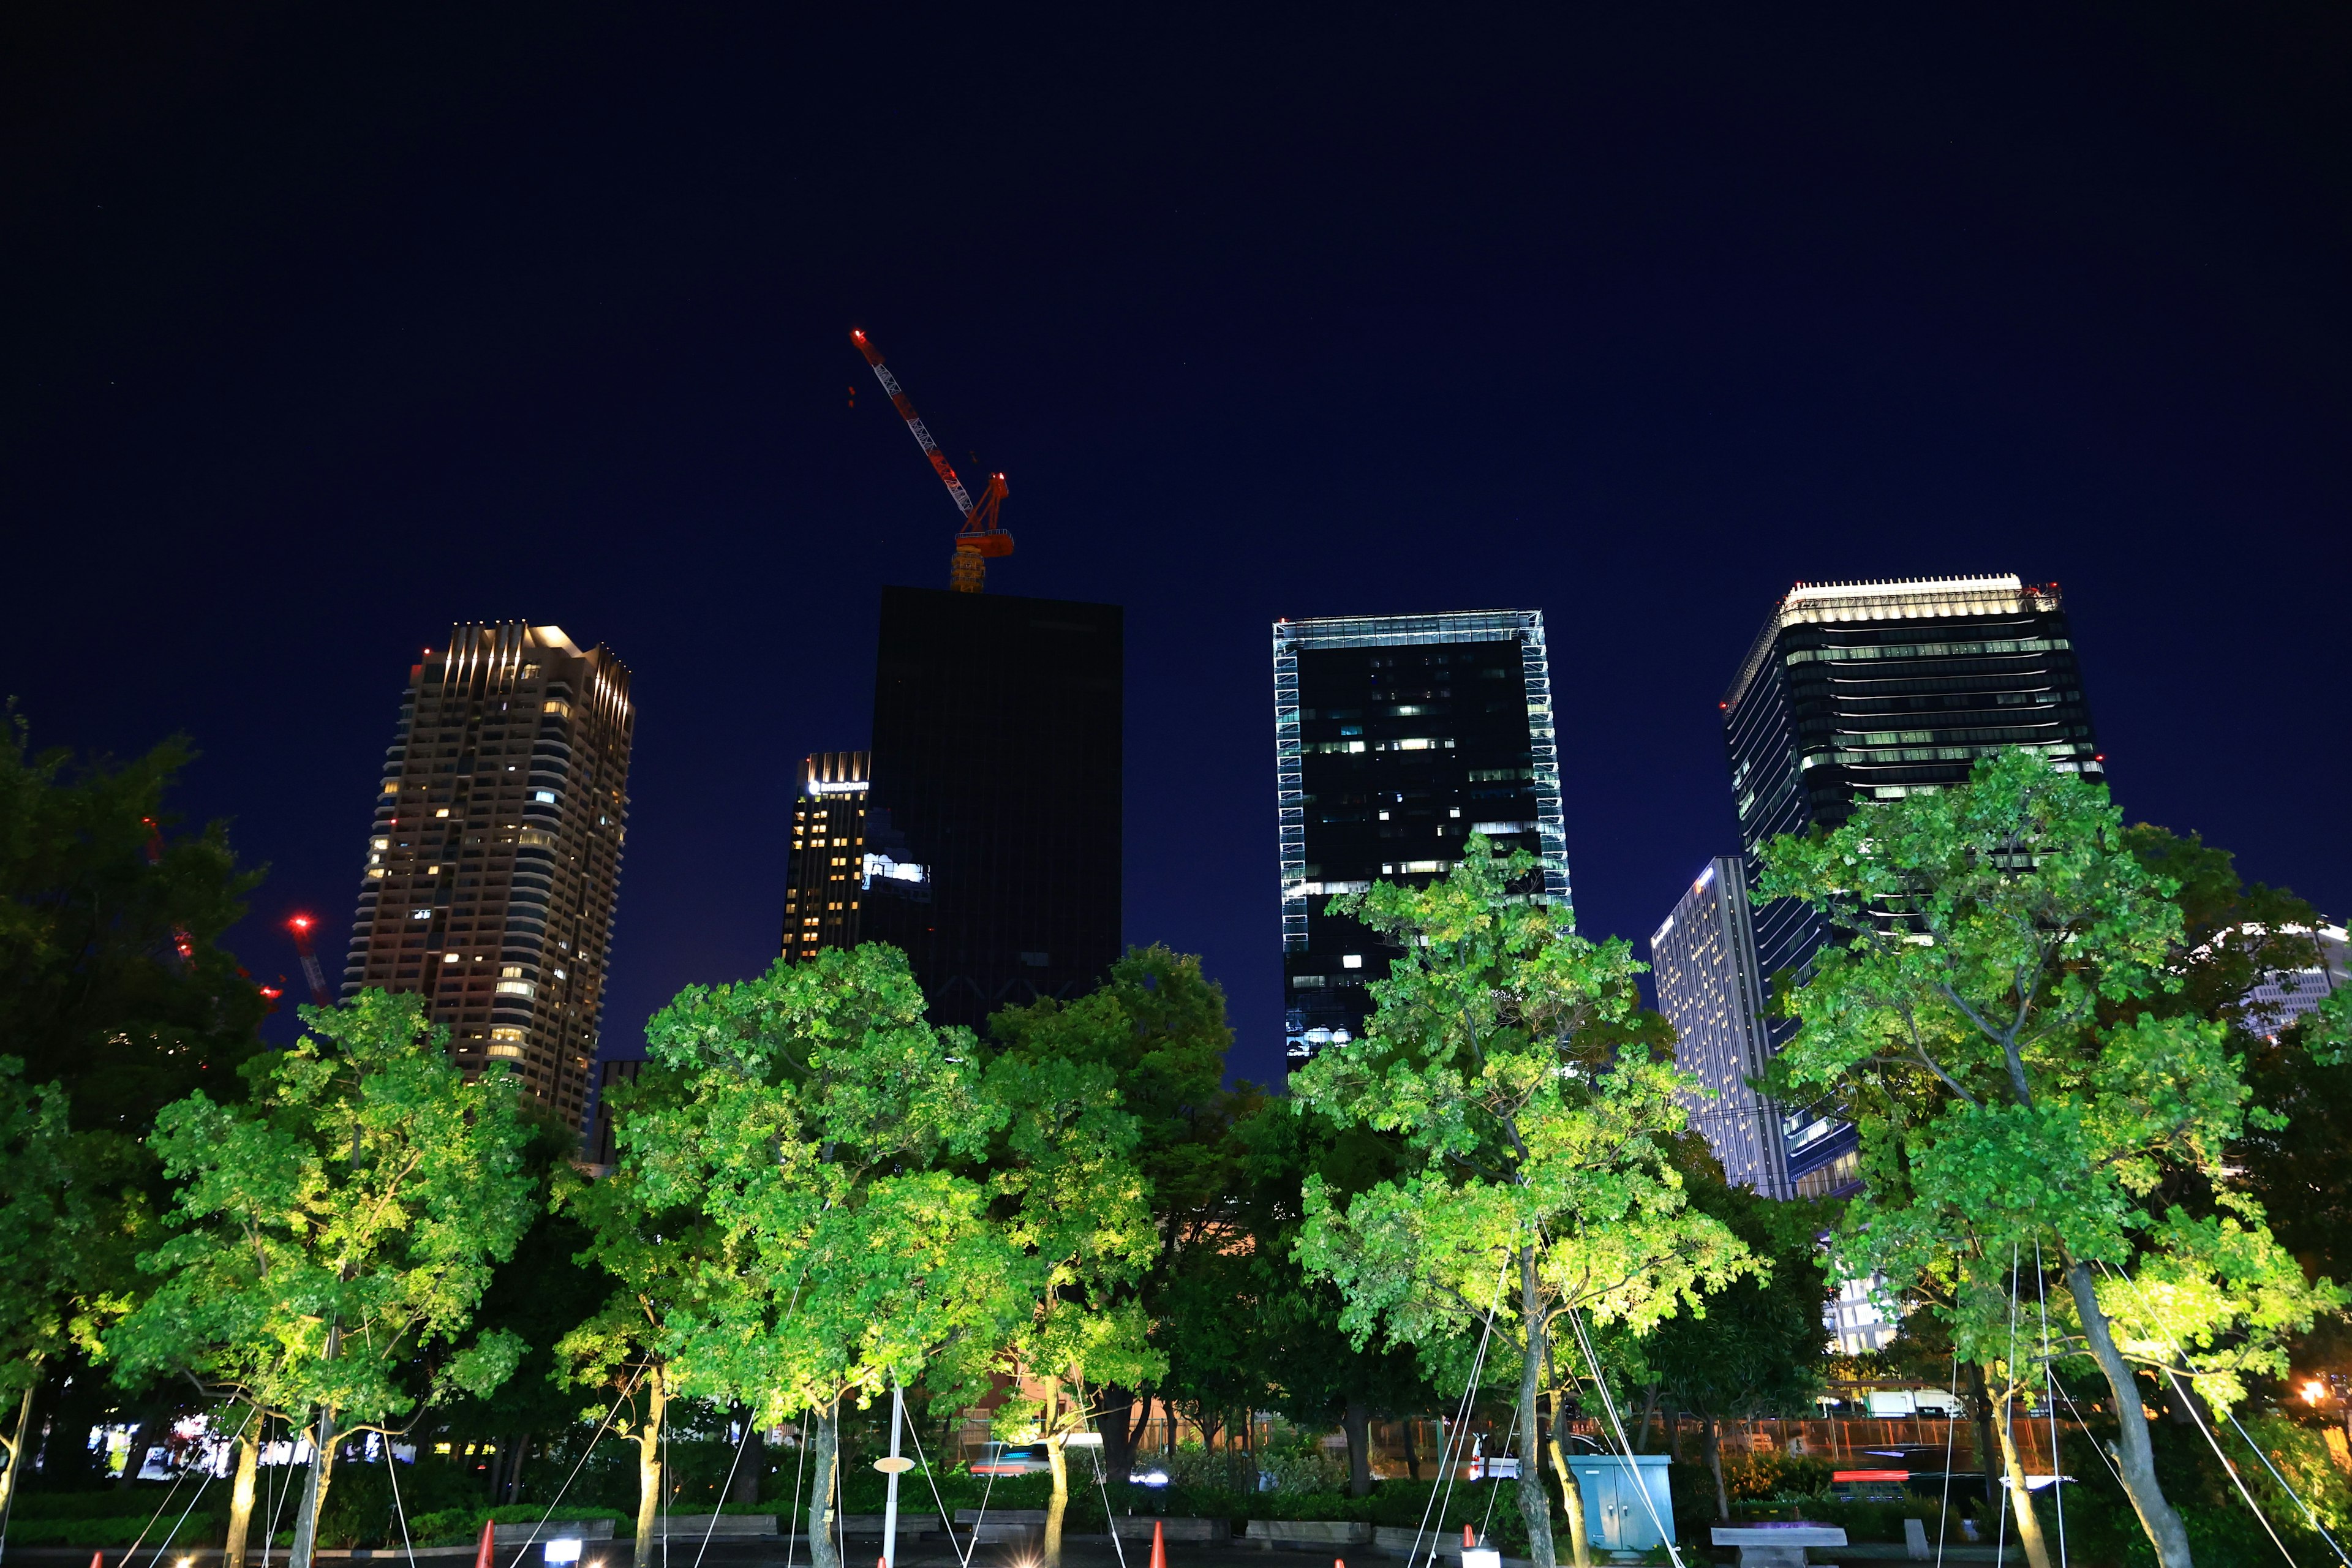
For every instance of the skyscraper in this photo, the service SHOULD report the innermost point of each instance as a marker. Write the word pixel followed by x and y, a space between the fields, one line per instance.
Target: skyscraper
pixel 827 855
pixel 495 857
pixel 1395 738
pixel 997 770
pixel 1711 988
pixel 1858 691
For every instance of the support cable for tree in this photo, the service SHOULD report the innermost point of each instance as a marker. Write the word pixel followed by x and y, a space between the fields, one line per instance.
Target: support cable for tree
pixel 174 1530
pixel 626 1390
pixel 2187 1397
pixel 283 1491
pixel 724 1487
pixel 1102 1476
pixel 2050 1383
pixel 1492 1493
pixel 799 1522
pixel 1609 1402
pixel 1449 1452
pixel 392 1473
pixel 2001 1542
pixel 1944 1503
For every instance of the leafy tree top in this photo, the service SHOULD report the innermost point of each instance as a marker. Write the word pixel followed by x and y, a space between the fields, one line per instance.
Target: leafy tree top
pixel 96 991
pixel 1505 1058
pixel 339 1225
pixel 1983 1018
pixel 810 1119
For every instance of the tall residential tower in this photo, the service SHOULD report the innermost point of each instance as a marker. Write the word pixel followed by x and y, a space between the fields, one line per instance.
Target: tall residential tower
pixel 495 857
pixel 1395 738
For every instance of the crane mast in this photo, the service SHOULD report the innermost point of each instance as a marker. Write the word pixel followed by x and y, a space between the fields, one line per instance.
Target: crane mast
pixel 980 537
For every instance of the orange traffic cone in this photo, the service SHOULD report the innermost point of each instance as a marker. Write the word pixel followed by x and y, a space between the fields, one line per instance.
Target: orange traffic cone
pixel 1469 1539
pixel 1158 1545
pixel 97 1560
pixel 487 1547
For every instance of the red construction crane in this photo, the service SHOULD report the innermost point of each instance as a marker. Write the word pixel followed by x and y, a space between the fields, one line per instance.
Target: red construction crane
pixel 980 538
pixel 302 926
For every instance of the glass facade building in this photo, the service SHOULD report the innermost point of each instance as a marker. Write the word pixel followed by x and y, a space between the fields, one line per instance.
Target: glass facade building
pixel 996 772
pixel 1396 737
pixel 1859 691
pixel 1711 988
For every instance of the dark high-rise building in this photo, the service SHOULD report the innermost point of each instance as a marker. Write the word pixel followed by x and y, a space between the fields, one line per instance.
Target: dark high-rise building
pixel 828 855
pixel 996 776
pixel 1712 990
pixel 1396 737
pixel 1860 692
pixel 495 860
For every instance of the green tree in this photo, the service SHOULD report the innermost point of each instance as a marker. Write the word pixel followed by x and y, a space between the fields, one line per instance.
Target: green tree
pixel 1976 1021
pixel 334 1234
pixel 1536 1181
pixel 1761 1348
pixel 1064 1185
pixel 111 979
pixel 815 1125
pixel 1157 1025
pixel 56 1219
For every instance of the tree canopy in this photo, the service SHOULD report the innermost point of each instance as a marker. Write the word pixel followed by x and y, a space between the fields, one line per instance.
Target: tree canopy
pixel 1976 1018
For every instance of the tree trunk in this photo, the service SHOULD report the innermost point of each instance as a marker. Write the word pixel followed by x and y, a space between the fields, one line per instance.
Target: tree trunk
pixel 2021 1496
pixel 142 1439
pixel 1711 1440
pixel 823 1552
pixel 324 1440
pixel 649 1464
pixel 1649 1415
pixel 1981 1403
pixel 1534 1506
pixel 1571 1496
pixel 1412 1453
pixel 2132 1456
pixel 1121 1431
pixel 751 1465
pixel 1058 1459
pixel 240 1497
pixel 15 1446
pixel 1675 1433
pixel 1355 1420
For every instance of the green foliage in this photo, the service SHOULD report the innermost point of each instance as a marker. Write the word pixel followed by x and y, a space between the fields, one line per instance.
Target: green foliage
pixel 333 1235
pixel 97 993
pixel 1523 1134
pixel 463 1526
pixel 801 1122
pixel 55 1211
pixel 1157 1029
pixel 1981 1022
pixel 1760 1350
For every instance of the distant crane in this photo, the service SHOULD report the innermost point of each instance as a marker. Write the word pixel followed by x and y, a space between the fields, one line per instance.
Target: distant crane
pixel 302 926
pixel 979 537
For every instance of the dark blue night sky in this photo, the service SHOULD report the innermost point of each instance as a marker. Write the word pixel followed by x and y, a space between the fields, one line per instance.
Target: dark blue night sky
pixel 326 330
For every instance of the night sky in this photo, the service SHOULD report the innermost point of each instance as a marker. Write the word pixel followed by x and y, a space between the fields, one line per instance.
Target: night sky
pixel 325 330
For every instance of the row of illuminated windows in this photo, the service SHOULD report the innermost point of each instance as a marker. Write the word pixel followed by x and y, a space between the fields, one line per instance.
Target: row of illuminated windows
pixel 1925 649
pixel 1411 743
